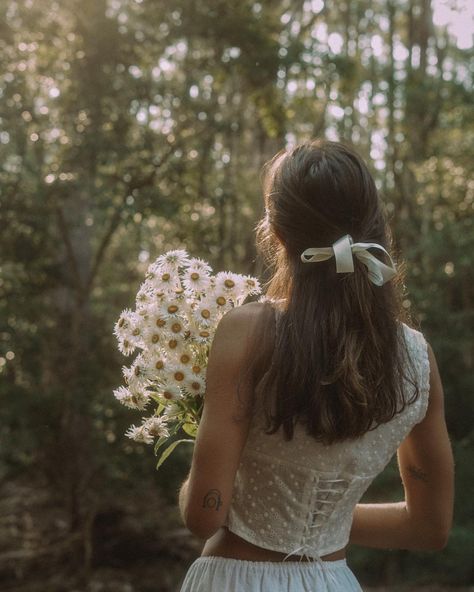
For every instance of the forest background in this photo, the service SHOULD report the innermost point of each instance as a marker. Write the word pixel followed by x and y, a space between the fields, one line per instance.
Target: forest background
pixel 129 127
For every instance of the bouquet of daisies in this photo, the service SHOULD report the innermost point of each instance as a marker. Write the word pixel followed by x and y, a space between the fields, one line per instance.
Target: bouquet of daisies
pixel 178 307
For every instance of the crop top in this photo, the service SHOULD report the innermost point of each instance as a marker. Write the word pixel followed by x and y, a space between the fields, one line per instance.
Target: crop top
pixel 299 496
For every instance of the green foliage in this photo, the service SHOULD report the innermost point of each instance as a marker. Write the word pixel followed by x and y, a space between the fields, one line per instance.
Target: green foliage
pixel 128 128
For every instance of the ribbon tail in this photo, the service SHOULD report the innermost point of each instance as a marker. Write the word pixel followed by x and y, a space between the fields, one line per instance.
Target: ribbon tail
pixel 379 273
pixel 294 551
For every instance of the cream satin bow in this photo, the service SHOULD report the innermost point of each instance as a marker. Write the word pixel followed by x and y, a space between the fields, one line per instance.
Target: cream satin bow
pixel 343 248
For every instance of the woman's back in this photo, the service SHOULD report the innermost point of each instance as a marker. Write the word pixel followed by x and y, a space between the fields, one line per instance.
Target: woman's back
pixel 298 496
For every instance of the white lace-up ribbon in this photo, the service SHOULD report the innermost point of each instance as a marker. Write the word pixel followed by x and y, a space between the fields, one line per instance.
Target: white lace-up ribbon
pixel 327 573
pixel 343 250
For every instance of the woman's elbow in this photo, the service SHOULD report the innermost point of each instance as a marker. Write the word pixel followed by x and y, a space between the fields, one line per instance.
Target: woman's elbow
pixel 439 540
pixel 200 528
pixel 433 540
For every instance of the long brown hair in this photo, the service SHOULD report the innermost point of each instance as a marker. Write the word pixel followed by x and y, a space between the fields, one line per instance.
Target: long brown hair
pixel 337 361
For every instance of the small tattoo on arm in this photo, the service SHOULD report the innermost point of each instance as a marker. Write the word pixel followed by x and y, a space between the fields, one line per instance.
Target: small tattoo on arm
pixel 212 500
pixel 417 473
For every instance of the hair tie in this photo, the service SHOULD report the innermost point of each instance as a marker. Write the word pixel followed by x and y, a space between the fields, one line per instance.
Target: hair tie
pixel 343 250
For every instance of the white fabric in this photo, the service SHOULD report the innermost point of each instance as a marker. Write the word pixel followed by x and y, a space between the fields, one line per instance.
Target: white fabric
pixel 298 497
pixel 221 574
pixel 343 249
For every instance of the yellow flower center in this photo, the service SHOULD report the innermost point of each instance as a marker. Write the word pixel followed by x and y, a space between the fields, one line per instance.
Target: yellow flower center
pixel 136 331
pixel 196 369
pixel 205 313
pixel 165 277
pixel 204 333
pixel 172 343
pixel 251 283
pixel 220 300
pixel 229 283
pixel 176 327
pixel 155 338
pixel 196 386
pixel 160 322
pixel 172 308
pixel 121 322
pixel 137 371
pixel 167 395
pixel 195 276
pixel 185 359
pixel 179 376
pixel 159 365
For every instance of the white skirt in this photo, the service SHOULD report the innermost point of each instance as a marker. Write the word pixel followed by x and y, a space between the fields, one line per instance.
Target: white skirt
pixel 222 574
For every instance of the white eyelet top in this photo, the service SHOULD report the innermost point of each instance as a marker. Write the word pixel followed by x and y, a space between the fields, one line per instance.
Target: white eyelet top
pixel 298 497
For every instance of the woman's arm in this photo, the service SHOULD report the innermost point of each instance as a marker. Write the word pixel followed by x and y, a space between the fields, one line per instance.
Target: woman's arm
pixel 423 521
pixel 205 496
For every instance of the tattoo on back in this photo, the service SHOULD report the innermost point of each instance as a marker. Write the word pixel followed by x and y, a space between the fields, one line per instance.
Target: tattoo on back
pixel 212 500
pixel 417 473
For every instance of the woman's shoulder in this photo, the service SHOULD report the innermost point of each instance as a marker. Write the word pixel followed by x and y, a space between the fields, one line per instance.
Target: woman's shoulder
pixel 253 312
pixel 240 321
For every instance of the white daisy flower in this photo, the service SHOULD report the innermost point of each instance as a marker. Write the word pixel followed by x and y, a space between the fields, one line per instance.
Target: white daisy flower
pixel 174 347
pixel 156 318
pixel 176 328
pixel 171 392
pixel 132 400
pixel 165 281
pixel 126 347
pixel 219 299
pixel 186 357
pixel 178 374
pixel 138 375
pixel 230 284
pixel 157 363
pixel 198 370
pixel 124 323
pixel 205 313
pixel 171 308
pixel 128 330
pixel 152 338
pixel 195 281
pixel 172 410
pixel 139 434
pixel 252 285
pixel 156 426
pixel 196 384
pixel 199 265
pixel 171 260
pixel 203 336
pixel 146 296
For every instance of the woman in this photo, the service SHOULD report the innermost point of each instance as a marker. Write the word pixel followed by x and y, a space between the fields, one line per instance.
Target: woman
pixel 309 394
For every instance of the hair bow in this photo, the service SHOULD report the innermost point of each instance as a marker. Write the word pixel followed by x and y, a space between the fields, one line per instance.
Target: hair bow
pixel 343 249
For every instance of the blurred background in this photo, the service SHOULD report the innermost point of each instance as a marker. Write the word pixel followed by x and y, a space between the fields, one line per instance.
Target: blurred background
pixel 129 127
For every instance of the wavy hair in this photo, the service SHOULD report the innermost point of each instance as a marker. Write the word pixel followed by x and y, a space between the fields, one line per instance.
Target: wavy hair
pixel 338 359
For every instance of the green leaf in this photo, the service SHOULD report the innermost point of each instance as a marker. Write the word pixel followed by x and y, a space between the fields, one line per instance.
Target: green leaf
pixel 169 450
pixel 163 439
pixel 190 429
pixel 159 443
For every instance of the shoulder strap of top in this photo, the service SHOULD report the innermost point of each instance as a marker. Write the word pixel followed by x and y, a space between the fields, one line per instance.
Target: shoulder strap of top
pixel 418 351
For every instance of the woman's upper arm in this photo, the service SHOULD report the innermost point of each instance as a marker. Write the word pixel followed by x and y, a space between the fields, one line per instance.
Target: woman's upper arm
pixel 224 425
pixel 427 467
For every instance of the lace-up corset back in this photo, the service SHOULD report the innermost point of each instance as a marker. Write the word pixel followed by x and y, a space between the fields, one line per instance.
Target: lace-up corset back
pixel 298 496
